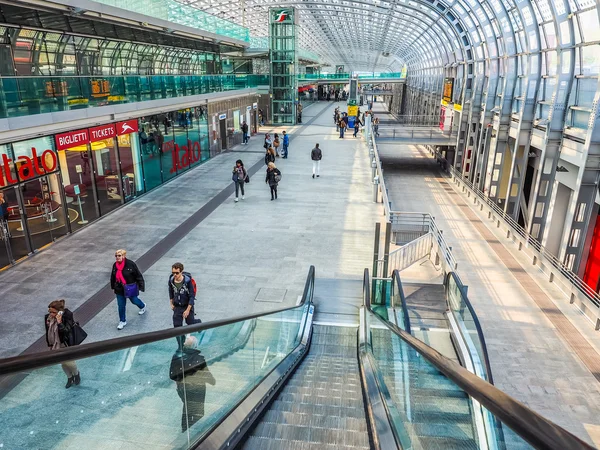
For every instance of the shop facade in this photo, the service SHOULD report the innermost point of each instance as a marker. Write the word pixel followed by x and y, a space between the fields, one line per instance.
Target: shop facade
pixel 226 118
pixel 57 184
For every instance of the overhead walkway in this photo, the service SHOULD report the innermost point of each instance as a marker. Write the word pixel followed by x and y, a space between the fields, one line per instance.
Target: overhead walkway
pixel 280 379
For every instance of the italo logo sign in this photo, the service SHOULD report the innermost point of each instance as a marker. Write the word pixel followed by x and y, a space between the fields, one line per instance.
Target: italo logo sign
pixel 183 156
pixel 282 16
pixel 28 167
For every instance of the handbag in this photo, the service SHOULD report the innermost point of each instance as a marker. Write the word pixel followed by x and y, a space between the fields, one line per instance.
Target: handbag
pixel 277 178
pixel 234 177
pixel 78 335
pixel 131 290
pixel 247 179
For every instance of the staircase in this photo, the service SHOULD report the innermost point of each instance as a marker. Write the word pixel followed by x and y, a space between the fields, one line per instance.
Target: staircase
pixel 321 405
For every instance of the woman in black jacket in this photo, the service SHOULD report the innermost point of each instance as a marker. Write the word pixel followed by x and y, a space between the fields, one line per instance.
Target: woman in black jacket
pixel 273 177
pixel 59 324
pixel 269 156
pixel 126 281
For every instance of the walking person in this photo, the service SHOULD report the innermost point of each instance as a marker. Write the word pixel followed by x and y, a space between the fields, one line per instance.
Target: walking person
pixel 269 156
pixel 276 145
pixel 126 281
pixel 357 124
pixel 239 178
pixel 182 293
pixel 59 324
pixel 342 126
pixel 316 155
pixel 376 126
pixel 245 133
pixel 273 177
pixel 286 144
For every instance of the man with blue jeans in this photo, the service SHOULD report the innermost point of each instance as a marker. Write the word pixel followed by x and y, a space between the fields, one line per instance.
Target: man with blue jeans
pixel 286 143
pixel 183 296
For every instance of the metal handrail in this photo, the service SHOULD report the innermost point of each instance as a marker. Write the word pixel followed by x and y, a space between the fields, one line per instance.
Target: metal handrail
pixel 529 425
pixel 532 242
pixel 386 201
pixel 396 276
pixel 38 360
pixel 461 286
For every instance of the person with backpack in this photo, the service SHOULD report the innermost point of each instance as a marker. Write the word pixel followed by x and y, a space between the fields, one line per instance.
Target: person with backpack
pixel 126 281
pixel 59 324
pixel 182 292
pixel 239 177
pixel 276 145
pixel 316 155
pixel 273 178
pixel 286 144
pixel 269 156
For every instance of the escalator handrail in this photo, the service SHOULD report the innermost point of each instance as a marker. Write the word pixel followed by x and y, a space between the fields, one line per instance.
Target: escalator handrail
pixel 34 361
pixel 396 276
pixel 459 283
pixel 529 425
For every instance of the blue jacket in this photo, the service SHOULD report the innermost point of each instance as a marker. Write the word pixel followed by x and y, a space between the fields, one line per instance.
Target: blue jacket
pixel 286 140
pixel 185 295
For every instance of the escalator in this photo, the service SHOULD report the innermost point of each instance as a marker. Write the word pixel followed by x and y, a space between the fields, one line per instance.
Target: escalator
pixel 291 379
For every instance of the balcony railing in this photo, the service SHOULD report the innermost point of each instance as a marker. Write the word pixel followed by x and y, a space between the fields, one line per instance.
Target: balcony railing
pixel 23 96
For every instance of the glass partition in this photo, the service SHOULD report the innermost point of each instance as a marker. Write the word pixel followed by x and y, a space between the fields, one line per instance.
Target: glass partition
pixel 151 393
pixel 466 321
pixel 426 408
pixel 26 95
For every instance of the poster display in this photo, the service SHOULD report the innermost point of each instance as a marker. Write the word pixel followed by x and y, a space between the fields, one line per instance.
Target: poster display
pixel 448 90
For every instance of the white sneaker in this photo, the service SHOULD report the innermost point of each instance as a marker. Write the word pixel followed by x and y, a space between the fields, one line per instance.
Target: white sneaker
pixel 142 311
pixel 121 325
pixel 237 199
pixel 243 197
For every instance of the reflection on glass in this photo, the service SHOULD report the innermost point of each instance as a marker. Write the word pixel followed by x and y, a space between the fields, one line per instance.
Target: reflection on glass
pixel 105 161
pixel 151 140
pixel 132 180
pixel 175 397
pixel 168 156
pixel 77 177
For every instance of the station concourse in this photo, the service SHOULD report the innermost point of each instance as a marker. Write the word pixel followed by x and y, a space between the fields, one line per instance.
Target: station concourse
pixel 433 285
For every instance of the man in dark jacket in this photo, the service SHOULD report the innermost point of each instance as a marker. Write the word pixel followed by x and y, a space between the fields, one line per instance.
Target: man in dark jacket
pixel 245 132
pixel 316 156
pixel 183 296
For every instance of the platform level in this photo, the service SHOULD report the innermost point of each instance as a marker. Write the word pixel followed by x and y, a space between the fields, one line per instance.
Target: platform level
pixel 530 358
pixel 246 256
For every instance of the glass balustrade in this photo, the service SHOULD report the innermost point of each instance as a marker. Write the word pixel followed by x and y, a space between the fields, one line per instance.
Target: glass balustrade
pixel 23 96
pixel 164 394
pixel 426 408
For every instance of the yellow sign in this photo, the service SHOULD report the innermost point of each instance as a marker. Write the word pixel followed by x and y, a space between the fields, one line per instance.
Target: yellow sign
pixel 116 98
pixel 444 102
pixel 78 101
pixel 353 111
pixel 457 107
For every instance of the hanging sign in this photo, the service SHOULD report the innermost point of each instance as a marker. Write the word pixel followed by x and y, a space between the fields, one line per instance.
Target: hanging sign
pixel 71 139
pixel 102 132
pixel 129 126
pixel 222 116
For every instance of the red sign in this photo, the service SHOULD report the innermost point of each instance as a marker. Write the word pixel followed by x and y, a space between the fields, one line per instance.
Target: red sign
pixel 71 139
pixel 191 153
pixel 129 126
pixel 28 167
pixel 102 132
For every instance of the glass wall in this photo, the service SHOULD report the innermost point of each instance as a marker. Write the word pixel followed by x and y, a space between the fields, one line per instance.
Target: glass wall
pixel 57 184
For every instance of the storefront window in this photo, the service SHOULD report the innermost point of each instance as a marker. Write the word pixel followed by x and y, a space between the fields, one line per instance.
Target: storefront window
pixel 198 135
pixel 106 161
pixel 168 147
pixel 44 215
pixel 151 140
pixel 131 165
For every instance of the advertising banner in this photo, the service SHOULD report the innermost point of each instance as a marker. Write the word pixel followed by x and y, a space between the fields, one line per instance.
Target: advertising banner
pixel 448 90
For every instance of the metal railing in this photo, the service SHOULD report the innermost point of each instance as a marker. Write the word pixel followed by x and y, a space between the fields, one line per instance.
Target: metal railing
pixel 417 133
pixel 572 285
pixel 405 256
